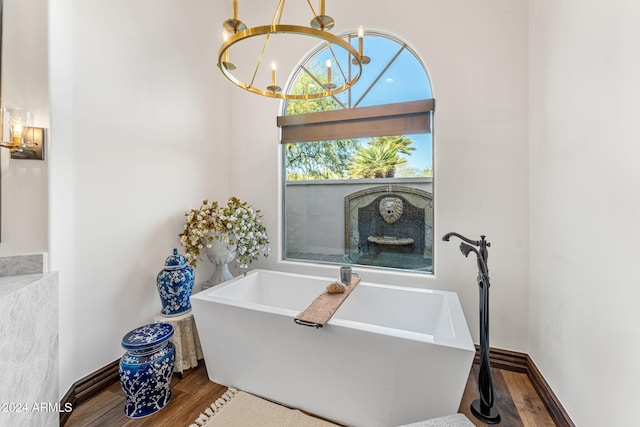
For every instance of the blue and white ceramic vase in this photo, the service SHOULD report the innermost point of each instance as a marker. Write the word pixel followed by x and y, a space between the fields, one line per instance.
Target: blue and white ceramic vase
pixel 175 284
pixel 146 369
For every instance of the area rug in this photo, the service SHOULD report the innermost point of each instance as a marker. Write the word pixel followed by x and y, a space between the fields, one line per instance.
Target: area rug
pixel 239 409
pixel 455 420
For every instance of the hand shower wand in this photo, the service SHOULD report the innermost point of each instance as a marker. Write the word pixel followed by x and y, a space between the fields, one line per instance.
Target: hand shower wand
pixel 481 408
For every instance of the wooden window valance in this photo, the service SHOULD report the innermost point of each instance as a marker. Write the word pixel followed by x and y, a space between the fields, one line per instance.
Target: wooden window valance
pixel 404 118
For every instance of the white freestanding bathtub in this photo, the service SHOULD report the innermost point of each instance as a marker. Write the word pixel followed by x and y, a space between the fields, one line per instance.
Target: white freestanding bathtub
pixel 389 356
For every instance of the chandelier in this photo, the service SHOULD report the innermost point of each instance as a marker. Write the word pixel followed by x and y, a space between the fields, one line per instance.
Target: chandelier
pixel 345 60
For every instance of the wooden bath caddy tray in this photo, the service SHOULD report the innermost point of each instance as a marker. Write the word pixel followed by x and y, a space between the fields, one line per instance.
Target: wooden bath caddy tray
pixel 324 306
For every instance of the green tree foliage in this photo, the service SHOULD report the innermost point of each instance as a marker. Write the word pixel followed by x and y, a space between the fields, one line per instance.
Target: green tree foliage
pixel 308 84
pixel 322 159
pixel 319 160
pixel 381 157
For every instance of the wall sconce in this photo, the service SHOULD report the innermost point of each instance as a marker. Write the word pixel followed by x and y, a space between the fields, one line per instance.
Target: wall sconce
pixel 20 136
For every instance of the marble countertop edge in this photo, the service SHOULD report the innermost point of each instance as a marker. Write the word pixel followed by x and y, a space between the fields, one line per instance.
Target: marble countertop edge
pixel 12 284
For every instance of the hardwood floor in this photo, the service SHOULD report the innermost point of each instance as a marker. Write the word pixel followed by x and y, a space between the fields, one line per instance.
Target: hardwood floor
pixel 515 398
pixel 190 396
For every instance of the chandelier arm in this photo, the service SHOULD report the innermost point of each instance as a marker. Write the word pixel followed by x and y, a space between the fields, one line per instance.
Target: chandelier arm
pixel 279 12
pixel 366 92
pixel 276 16
pixel 306 70
pixel 286 29
pixel 311 7
pixel 335 58
pixel 264 48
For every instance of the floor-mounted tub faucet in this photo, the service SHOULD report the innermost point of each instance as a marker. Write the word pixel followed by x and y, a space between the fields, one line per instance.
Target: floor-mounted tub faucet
pixel 482 408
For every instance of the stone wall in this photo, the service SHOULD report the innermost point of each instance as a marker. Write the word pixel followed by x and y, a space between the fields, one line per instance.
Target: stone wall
pixel 317 212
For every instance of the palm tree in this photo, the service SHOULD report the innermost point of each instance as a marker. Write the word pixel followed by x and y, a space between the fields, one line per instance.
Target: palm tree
pixel 380 157
pixel 401 141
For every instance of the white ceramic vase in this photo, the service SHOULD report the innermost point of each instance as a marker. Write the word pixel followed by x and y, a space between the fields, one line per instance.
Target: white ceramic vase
pixel 220 254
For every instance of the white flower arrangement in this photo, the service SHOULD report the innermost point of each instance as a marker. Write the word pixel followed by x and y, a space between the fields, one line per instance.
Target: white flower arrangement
pixel 236 223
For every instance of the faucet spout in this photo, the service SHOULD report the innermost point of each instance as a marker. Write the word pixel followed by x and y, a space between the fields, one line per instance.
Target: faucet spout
pixel 447 236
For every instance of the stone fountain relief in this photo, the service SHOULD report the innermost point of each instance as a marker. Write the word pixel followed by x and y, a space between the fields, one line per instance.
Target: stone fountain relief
pixel 390 226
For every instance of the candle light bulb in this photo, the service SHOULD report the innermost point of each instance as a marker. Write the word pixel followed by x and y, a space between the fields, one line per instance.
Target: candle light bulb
pixel 16 133
pixel 360 40
pixel 273 87
pixel 273 73
pixel 328 71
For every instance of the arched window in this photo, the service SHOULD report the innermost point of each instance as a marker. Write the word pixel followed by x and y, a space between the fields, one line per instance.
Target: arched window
pixel 358 166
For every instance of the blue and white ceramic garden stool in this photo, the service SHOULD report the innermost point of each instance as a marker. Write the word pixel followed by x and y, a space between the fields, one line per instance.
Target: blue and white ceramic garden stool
pixel 146 369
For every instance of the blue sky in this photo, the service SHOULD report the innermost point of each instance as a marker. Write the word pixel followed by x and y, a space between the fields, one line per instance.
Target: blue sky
pixel 396 75
pixel 404 80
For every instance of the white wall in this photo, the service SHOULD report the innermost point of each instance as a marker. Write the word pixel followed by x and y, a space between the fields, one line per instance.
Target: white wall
pixel 24 85
pixel 122 171
pixel 584 239
pixel 139 136
pixel 139 115
pixel 477 57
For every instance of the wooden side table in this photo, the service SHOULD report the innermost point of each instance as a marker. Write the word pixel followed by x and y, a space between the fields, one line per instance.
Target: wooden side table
pixel 185 339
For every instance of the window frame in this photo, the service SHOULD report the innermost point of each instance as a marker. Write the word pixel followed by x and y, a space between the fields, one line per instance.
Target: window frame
pixel 352 122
